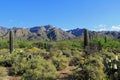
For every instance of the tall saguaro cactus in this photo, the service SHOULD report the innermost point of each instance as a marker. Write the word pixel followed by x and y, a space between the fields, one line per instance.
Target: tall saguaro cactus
pixel 85 38
pixel 11 41
pixel 105 39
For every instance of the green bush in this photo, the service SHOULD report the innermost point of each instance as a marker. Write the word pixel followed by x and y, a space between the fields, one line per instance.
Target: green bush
pixel 4 44
pixel 19 67
pixel 92 69
pixel 6 60
pixel 42 45
pixel 67 52
pixel 24 44
pixel 77 60
pixel 60 62
pixel 3 71
pixel 39 68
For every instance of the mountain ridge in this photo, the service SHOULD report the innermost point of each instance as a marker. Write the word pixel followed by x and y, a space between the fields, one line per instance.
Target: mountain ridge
pixel 49 32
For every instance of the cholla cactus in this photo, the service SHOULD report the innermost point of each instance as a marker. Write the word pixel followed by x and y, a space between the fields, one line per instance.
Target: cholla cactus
pixel 110 64
pixel 115 66
pixel 110 60
pixel 116 75
pixel 116 57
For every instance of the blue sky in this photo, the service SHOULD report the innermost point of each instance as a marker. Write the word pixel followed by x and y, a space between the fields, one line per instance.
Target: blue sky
pixel 65 14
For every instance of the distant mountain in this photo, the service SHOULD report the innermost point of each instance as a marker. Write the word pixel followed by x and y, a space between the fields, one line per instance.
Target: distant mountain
pixel 77 32
pixel 58 34
pixel 3 30
pixel 49 32
pixel 21 33
pixel 113 34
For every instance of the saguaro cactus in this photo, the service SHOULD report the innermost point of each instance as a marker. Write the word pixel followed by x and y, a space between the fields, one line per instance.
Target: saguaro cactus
pixel 85 38
pixel 11 41
pixel 105 39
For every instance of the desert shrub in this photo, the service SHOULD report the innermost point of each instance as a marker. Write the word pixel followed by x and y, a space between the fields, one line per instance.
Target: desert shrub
pixel 16 61
pixel 24 44
pixel 93 69
pixel 19 67
pixel 39 52
pixel 6 60
pixel 39 68
pixel 77 44
pixel 37 74
pixel 4 44
pixel 55 52
pixel 101 43
pixel 77 60
pixel 34 50
pixel 64 44
pixel 60 62
pixel 42 45
pixel 32 66
pixel 46 55
pixel 76 51
pixel 3 71
pixel 67 52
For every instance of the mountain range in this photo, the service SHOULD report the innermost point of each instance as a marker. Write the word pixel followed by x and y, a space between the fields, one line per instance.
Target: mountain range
pixel 48 32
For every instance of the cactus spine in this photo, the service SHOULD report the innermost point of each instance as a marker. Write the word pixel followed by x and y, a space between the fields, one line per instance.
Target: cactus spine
pixel 11 46
pixel 85 38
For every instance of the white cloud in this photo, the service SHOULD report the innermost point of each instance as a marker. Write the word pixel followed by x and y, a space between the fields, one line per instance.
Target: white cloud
pixel 115 28
pixel 103 27
pixel 100 27
pixel 65 29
